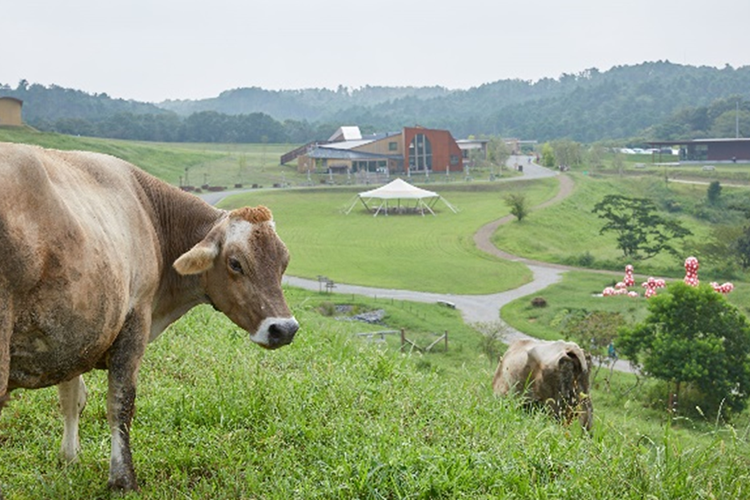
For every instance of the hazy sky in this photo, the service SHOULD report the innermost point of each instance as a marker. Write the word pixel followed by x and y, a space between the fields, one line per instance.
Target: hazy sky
pixel 152 50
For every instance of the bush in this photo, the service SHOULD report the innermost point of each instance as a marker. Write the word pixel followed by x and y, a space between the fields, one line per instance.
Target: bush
pixel 586 259
pixel 327 308
pixel 539 302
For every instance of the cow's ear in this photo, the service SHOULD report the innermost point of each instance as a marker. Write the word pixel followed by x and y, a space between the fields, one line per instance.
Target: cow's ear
pixel 201 257
pixel 198 259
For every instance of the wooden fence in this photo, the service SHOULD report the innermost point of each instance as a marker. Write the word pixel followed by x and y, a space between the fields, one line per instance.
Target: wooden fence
pixel 379 336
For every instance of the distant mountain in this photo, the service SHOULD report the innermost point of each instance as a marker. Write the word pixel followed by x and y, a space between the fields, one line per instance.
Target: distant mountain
pixel 48 104
pixel 305 104
pixel 624 102
pixel 619 103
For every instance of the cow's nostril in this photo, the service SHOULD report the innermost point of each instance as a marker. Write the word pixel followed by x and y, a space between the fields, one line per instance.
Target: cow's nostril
pixel 282 332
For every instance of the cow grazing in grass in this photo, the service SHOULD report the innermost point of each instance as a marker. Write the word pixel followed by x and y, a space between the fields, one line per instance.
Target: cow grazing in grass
pixel 552 373
pixel 97 258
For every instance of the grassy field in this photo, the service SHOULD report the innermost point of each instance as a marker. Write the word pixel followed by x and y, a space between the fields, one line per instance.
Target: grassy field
pixel 569 232
pixel 646 165
pixel 335 417
pixel 213 164
pixel 580 291
pixel 434 254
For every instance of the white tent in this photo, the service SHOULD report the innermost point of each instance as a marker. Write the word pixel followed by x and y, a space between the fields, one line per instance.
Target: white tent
pixel 391 196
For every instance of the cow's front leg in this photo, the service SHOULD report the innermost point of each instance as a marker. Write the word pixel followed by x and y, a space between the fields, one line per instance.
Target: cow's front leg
pixel 123 363
pixel 72 395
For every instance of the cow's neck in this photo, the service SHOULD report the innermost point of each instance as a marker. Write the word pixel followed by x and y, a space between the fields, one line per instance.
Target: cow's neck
pixel 181 220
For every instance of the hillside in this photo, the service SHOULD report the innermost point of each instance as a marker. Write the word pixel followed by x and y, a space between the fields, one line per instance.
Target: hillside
pixel 625 102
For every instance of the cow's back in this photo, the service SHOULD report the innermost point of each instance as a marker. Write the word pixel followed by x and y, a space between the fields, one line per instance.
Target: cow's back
pixel 78 251
pixel 513 370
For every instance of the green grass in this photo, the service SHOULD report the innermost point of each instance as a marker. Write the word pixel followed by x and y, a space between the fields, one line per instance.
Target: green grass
pixel 332 416
pixel 434 254
pixel 213 164
pixel 579 291
pixel 569 232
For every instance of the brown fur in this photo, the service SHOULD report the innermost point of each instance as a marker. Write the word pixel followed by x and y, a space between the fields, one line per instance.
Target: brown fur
pixel 555 374
pixel 86 277
pixel 253 215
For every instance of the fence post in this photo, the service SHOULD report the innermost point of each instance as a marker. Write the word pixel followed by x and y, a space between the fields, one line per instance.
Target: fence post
pixel 403 339
pixel 446 340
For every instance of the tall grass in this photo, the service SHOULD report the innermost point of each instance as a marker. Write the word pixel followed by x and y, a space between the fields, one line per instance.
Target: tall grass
pixel 332 416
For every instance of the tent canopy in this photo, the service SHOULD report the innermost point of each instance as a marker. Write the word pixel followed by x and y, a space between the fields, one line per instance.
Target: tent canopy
pixel 398 190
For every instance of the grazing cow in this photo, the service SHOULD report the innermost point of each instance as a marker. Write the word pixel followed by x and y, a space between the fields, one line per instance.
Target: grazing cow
pixel 552 373
pixel 97 258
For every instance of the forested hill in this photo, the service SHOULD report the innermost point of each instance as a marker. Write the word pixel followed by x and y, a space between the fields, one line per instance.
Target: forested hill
pixel 621 103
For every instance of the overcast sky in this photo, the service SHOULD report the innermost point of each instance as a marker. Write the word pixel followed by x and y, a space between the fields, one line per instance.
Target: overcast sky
pixel 152 50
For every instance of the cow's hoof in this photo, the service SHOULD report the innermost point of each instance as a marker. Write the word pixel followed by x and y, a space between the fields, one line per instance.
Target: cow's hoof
pixel 123 484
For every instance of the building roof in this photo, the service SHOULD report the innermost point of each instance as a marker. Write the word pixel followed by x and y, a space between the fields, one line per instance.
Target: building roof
pixel 345 154
pixel 701 141
pixel 346 133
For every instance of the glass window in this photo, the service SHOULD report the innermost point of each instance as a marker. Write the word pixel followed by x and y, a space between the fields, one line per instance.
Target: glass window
pixel 420 153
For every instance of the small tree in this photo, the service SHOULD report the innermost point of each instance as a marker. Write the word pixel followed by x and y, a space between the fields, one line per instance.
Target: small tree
pixel 714 192
pixel 641 232
pixel 741 248
pixel 594 331
pixel 693 335
pixel 548 155
pixel 567 152
pixel 518 205
pixel 492 341
pixel 498 152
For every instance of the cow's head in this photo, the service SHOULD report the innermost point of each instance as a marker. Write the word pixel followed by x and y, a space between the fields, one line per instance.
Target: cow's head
pixel 241 262
pixel 573 386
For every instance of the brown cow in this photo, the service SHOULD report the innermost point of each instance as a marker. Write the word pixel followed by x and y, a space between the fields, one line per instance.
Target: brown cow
pixel 98 258
pixel 553 373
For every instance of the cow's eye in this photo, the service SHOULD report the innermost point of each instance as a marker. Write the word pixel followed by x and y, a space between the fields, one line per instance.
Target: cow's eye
pixel 235 265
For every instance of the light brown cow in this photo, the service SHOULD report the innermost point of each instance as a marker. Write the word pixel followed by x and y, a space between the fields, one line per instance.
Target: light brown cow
pixel 97 258
pixel 551 373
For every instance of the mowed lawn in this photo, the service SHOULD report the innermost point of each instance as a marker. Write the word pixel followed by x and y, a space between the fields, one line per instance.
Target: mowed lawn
pixel 566 232
pixel 432 254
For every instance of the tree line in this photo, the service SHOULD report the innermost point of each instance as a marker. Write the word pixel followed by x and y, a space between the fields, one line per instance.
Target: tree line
pixel 649 101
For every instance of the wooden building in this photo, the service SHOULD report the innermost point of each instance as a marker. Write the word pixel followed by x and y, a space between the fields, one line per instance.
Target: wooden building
pixel 10 112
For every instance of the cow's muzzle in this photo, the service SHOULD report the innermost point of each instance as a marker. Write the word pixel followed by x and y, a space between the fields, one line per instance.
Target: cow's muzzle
pixel 275 332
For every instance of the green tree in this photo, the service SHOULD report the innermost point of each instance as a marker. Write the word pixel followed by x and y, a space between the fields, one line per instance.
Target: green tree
pixel 714 192
pixel 594 331
pixel 548 155
pixel 596 155
pixel 641 232
pixel 741 247
pixel 518 205
pixel 497 151
pixel 693 335
pixel 567 152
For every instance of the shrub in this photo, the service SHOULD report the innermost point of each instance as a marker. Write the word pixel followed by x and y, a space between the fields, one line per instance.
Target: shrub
pixel 539 302
pixel 327 308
